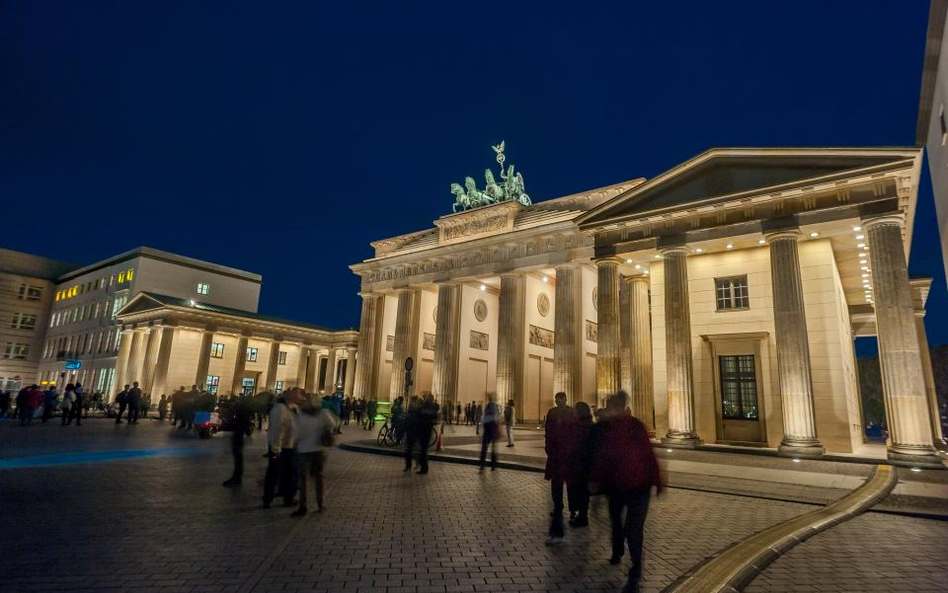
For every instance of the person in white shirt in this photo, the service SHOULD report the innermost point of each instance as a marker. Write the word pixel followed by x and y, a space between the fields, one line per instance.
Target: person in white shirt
pixel 281 437
pixel 314 430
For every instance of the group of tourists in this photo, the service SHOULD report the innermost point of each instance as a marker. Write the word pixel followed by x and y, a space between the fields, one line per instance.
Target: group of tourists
pixel 33 402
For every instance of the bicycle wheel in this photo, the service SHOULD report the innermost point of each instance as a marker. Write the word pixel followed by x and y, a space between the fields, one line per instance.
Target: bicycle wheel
pixel 383 435
pixel 434 439
pixel 393 437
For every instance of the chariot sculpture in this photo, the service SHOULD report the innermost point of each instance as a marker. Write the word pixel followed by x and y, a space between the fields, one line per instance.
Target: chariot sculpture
pixel 510 187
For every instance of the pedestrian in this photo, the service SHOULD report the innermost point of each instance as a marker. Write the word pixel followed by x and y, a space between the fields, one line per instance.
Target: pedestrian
pixel 577 484
pixel 4 403
pixel 50 396
pixel 468 415
pixel 314 428
pixel 412 425
pixel 23 411
pixel 371 408
pixel 69 401
pixel 122 400
pixel 478 417
pixel 427 419
pixel 625 469
pixel 146 405
pixel 191 402
pixel 241 426
pixel 457 416
pixel 358 406
pixel 559 445
pixel 281 456
pixel 35 401
pixel 162 407
pixel 337 403
pixel 78 406
pixel 509 418
pixel 134 397
pixel 491 431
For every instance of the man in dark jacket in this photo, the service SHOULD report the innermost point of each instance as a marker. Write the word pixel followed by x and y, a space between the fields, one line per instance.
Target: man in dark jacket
pixel 412 428
pixel 427 419
pixel 559 447
pixel 122 400
pixel 134 398
pixel 625 468
pixel 242 422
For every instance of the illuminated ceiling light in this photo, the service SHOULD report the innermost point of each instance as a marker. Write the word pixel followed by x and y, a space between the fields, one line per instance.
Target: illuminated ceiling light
pixel 761 241
pixel 862 261
pixel 628 261
pixel 865 275
pixel 864 268
pixel 699 250
pixel 730 246
pixel 483 288
pixel 860 245
pixel 796 460
pixel 860 237
pixel 545 279
pixel 638 267
pixel 916 469
pixel 857 228
pixel 645 272
pixel 814 234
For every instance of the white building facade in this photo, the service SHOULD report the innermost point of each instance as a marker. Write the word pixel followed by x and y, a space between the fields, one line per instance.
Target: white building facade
pixel 723 295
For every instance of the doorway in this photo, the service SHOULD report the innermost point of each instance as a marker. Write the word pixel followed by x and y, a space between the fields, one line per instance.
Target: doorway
pixel 740 406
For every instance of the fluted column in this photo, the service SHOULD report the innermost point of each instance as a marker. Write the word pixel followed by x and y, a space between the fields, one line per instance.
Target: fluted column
pixel 135 357
pixel 273 362
pixel 934 415
pixel 402 346
pixel 121 361
pixel 240 364
pixel 567 333
pixel 510 343
pixel 350 369
pixel 903 385
pixel 793 348
pixel 680 377
pixel 160 381
pixel 204 359
pixel 312 371
pixel 329 380
pixel 365 370
pixel 148 363
pixel 607 358
pixel 640 351
pixel 301 366
pixel 444 381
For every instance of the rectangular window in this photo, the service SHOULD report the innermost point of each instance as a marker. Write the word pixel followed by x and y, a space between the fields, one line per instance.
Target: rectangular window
pixel 279 387
pixel 251 354
pixel 217 350
pixel 121 278
pixel 23 321
pixel 16 351
pixel 281 357
pixel 130 274
pixel 738 387
pixel 211 384
pixel 29 292
pixel 731 293
pixel 203 288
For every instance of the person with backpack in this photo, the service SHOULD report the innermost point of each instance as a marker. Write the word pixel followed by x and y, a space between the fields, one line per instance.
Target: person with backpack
pixel 315 426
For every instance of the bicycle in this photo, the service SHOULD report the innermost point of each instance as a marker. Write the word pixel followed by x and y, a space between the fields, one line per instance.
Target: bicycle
pixel 391 435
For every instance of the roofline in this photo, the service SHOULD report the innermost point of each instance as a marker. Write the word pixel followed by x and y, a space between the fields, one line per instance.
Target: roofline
pixel 39 259
pixel 933 41
pixel 165 256
pixel 911 152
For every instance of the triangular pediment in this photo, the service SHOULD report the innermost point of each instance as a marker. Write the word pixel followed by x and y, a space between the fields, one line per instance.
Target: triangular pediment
pixel 722 174
pixel 139 304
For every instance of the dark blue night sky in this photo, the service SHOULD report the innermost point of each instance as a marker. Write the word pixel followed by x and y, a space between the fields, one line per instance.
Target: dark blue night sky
pixel 282 137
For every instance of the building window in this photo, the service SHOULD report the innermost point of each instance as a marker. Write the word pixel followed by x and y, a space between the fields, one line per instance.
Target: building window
pixel 279 387
pixel 738 387
pixel 121 278
pixel 281 357
pixel 251 355
pixel 29 292
pixel 16 351
pixel 129 275
pixel 211 384
pixel 731 293
pixel 203 288
pixel 23 321
pixel 217 350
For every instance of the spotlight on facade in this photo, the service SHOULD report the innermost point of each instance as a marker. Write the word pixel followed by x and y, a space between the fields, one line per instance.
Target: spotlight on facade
pixel 796 460
pixel 761 241
pixel 860 245
pixel 658 256
pixel 668 450
pixel 814 234
pixel 628 261
pixel 483 288
pixel 192 302
pixel 545 279
pixel 860 237
pixel 857 228
pixel 916 469
pixel 730 246
pixel 638 267
pixel 699 250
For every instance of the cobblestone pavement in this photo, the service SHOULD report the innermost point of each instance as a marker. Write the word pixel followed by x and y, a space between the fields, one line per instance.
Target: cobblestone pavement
pixel 164 523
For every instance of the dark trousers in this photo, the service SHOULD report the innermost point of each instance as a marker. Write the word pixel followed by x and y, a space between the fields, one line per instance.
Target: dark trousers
pixel 487 440
pixel 26 415
pixel 631 527
pixel 578 492
pixel 556 523
pixel 118 419
pixel 67 414
pixel 48 411
pixel 77 411
pixel 237 451
pixel 311 472
pixel 411 438
pixel 281 468
pixel 133 413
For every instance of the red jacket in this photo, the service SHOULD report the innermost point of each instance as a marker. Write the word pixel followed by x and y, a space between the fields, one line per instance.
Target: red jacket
pixel 560 441
pixel 625 459
pixel 36 398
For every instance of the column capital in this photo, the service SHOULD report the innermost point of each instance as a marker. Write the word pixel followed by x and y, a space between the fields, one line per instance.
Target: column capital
pixel 893 219
pixel 612 259
pixel 675 250
pixel 793 234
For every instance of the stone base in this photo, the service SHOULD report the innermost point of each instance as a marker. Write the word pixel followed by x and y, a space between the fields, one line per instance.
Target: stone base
pixel 681 441
pixel 927 460
pixel 810 450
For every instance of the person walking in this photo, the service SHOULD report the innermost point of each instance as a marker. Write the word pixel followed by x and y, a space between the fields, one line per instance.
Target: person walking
pixel 577 484
pixel 457 416
pixel 281 437
pixel 4 403
pixel 49 402
pixel 412 427
pixel 559 445
pixel 162 407
pixel 314 428
pixel 69 401
pixel 509 418
pixel 491 430
pixel 134 398
pixel 242 424
pixel 625 468
pixel 122 400
pixel 427 420
pixel 478 416
pixel 371 408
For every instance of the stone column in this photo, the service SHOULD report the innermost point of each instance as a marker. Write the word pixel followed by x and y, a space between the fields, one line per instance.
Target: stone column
pixel 607 360
pixel 934 414
pixel 903 384
pixel 402 348
pixel 135 356
pixel 204 359
pixel 121 362
pixel 273 363
pixel 793 348
pixel 329 381
pixel 301 366
pixel 640 351
pixel 160 381
pixel 444 381
pixel 368 333
pixel 350 369
pixel 240 364
pixel 567 333
pixel 312 371
pixel 148 366
pixel 680 377
pixel 510 342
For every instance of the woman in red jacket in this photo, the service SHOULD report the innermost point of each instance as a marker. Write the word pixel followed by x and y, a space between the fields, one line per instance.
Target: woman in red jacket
pixel 625 469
